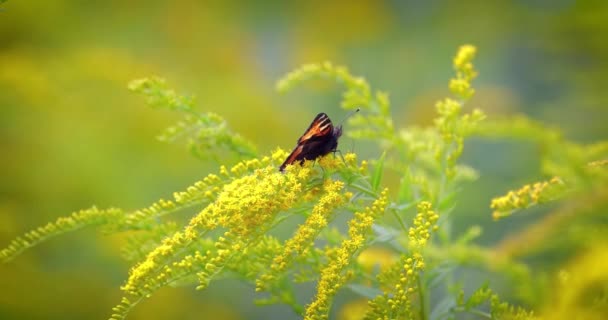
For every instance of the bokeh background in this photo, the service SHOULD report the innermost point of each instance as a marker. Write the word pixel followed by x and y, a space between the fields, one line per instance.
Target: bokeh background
pixel 72 136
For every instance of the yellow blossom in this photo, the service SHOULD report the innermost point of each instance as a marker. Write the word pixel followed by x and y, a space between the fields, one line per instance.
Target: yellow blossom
pixel 465 72
pixel 242 206
pixel 363 168
pixel 527 195
pixel 350 159
pixel 75 221
pixel 334 274
pixel 395 303
pixel 307 232
pixel 463 61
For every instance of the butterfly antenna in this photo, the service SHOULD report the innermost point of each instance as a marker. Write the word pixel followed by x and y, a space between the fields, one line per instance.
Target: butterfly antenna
pixel 340 127
pixel 350 114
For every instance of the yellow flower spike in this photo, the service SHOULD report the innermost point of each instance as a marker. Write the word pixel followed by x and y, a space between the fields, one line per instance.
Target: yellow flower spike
pixel 279 155
pixel 465 55
pixel 527 196
pixel 363 167
pixel 460 86
pixel 350 159
pixel 224 171
pixel 408 268
pixel 242 206
pixel 334 274
pixel 465 73
pixel 597 164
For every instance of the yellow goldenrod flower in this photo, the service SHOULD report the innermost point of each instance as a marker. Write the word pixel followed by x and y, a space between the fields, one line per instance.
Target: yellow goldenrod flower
pixel 307 232
pixel 463 62
pixel 424 222
pixel 75 221
pixel 528 195
pixel 598 163
pixel 242 206
pixel 334 274
pixel 395 303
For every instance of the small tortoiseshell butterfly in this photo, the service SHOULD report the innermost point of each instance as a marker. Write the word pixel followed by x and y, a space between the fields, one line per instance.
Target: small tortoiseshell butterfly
pixel 319 139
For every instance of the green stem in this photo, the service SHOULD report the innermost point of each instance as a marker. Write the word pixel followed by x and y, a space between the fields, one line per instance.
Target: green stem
pixel 401 223
pixel 421 295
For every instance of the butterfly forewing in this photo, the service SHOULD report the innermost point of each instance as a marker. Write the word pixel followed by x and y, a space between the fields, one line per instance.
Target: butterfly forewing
pixel 320 127
pixel 319 139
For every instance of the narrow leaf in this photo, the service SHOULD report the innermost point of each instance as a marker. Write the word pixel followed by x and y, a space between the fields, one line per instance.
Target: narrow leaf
pixel 377 176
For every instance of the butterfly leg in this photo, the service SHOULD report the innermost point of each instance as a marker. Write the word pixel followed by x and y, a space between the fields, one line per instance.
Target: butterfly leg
pixel 341 156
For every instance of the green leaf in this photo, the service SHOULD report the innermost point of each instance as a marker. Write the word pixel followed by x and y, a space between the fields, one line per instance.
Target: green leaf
pixel 478 297
pixel 377 176
pixel 384 233
pixel 437 275
pixel 443 307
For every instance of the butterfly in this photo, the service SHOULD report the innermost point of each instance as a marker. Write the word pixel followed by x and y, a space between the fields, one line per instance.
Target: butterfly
pixel 319 139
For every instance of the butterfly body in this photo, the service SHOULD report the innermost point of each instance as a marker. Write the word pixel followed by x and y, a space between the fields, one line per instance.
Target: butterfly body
pixel 319 139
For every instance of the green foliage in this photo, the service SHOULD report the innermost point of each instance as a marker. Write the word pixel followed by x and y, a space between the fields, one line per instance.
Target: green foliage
pixel 498 309
pixel 574 168
pixel 73 222
pixel 206 134
pixel 393 261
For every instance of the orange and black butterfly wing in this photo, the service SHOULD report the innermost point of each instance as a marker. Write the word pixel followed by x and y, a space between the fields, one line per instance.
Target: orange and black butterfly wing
pixel 319 139
pixel 319 128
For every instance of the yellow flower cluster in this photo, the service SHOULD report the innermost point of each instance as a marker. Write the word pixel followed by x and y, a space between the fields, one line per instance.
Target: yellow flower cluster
pixel 526 196
pixel 307 232
pixel 424 222
pixel 465 73
pixel 451 123
pixel 75 221
pixel 227 246
pixel 448 124
pixel 418 235
pixel 157 209
pixel 364 167
pixel 331 162
pixel 144 272
pixel 334 274
pixel 206 188
pixel 251 200
pixel 397 304
pixel 598 163
pixel 243 206
pixel 203 191
pixel 350 159
pixel 261 254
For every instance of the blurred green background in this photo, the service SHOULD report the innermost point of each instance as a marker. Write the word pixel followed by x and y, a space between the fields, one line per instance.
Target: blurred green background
pixel 72 136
